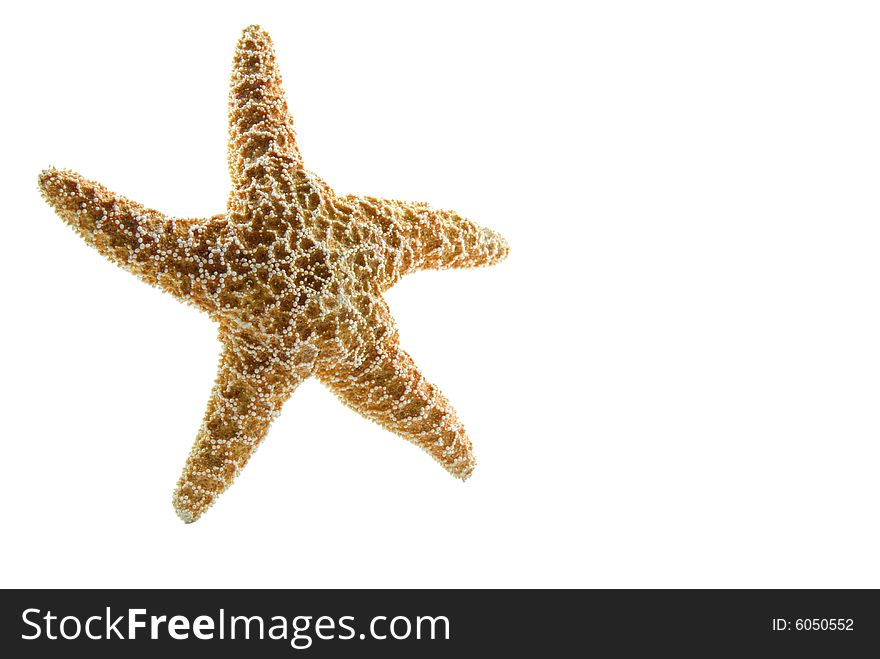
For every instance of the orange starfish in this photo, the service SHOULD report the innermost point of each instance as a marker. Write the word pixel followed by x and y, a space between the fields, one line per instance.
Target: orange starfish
pixel 293 274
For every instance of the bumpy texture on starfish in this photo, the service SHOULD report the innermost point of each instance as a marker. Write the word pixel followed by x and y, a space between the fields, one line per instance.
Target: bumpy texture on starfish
pixel 293 274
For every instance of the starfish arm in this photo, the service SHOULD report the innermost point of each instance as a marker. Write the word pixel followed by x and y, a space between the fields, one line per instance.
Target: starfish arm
pixel 163 251
pixel 262 140
pixel 419 237
pixel 385 386
pixel 251 386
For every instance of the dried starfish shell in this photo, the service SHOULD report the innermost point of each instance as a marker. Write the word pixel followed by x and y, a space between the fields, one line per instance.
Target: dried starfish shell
pixel 293 274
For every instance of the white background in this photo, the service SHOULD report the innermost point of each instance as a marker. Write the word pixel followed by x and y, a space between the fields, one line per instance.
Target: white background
pixel 673 381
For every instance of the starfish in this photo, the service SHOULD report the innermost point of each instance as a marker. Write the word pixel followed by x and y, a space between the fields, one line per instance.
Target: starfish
pixel 293 274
